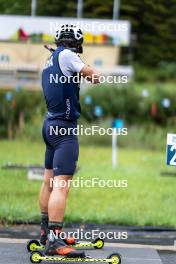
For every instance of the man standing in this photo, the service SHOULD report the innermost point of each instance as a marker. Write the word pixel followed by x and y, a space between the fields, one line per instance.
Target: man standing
pixel 62 100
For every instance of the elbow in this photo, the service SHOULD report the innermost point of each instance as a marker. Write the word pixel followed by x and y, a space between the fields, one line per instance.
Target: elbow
pixel 96 81
pixel 95 78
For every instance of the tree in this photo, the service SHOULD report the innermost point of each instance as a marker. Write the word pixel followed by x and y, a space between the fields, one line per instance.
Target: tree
pixel 15 7
pixel 154 24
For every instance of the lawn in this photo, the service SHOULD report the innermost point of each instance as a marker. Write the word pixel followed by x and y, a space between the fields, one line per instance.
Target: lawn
pixel 150 198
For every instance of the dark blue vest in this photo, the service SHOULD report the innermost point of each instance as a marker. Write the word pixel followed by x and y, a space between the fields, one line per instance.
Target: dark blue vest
pixel 62 97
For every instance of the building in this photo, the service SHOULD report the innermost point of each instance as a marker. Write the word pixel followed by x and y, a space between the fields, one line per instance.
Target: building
pixel 22 54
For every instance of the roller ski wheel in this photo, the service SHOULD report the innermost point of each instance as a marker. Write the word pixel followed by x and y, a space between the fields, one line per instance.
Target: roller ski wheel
pixel 33 245
pixel 115 257
pixel 98 243
pixel 36 256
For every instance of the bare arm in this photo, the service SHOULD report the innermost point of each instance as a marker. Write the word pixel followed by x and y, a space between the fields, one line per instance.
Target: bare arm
pixel 90 74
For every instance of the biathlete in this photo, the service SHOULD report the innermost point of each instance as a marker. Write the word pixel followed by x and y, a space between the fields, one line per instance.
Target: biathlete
pixel 62 101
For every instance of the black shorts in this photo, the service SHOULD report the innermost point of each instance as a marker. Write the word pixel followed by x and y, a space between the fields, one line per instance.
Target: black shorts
pixel 62 147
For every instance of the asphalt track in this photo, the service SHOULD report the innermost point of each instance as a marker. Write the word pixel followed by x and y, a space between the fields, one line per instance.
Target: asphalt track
pixel 13 251
pixel 168 257
pixel 143 246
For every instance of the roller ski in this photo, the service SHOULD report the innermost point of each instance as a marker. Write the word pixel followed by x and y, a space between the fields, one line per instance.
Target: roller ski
pixel 97 243
pixel 69 241
pixel 37 257
pixel 58 250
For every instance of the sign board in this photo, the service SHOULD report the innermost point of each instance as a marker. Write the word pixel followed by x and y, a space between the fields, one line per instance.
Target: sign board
pixel 98 111
pixel 118 123
pixel 97 31
pixel 35 174
pixel 171 150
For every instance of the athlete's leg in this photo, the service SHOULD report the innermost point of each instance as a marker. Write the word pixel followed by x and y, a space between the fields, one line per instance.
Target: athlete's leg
pixel 58 197
pixel 45 190
pixel 64 164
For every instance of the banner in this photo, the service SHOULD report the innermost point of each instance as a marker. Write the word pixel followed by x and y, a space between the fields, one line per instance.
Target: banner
pixel 42 29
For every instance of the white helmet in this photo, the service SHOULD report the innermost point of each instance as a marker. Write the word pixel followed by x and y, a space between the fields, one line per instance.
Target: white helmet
pixel 69 32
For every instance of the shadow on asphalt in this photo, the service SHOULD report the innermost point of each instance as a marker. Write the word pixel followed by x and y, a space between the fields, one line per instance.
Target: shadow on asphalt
pixel 167 257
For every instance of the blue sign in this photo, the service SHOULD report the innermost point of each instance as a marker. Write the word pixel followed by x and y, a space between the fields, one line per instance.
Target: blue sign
pixel 98 111
pixel 118 123
pixel 88 100
pixel 166 103
pixel 171 150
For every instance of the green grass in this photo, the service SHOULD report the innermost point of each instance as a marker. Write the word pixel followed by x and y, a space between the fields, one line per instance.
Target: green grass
pixel 150 199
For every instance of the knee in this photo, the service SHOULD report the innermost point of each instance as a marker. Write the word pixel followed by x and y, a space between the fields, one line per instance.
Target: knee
pixel 48 178
pixel 62 187
pixel 65 190
pixel 48 183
